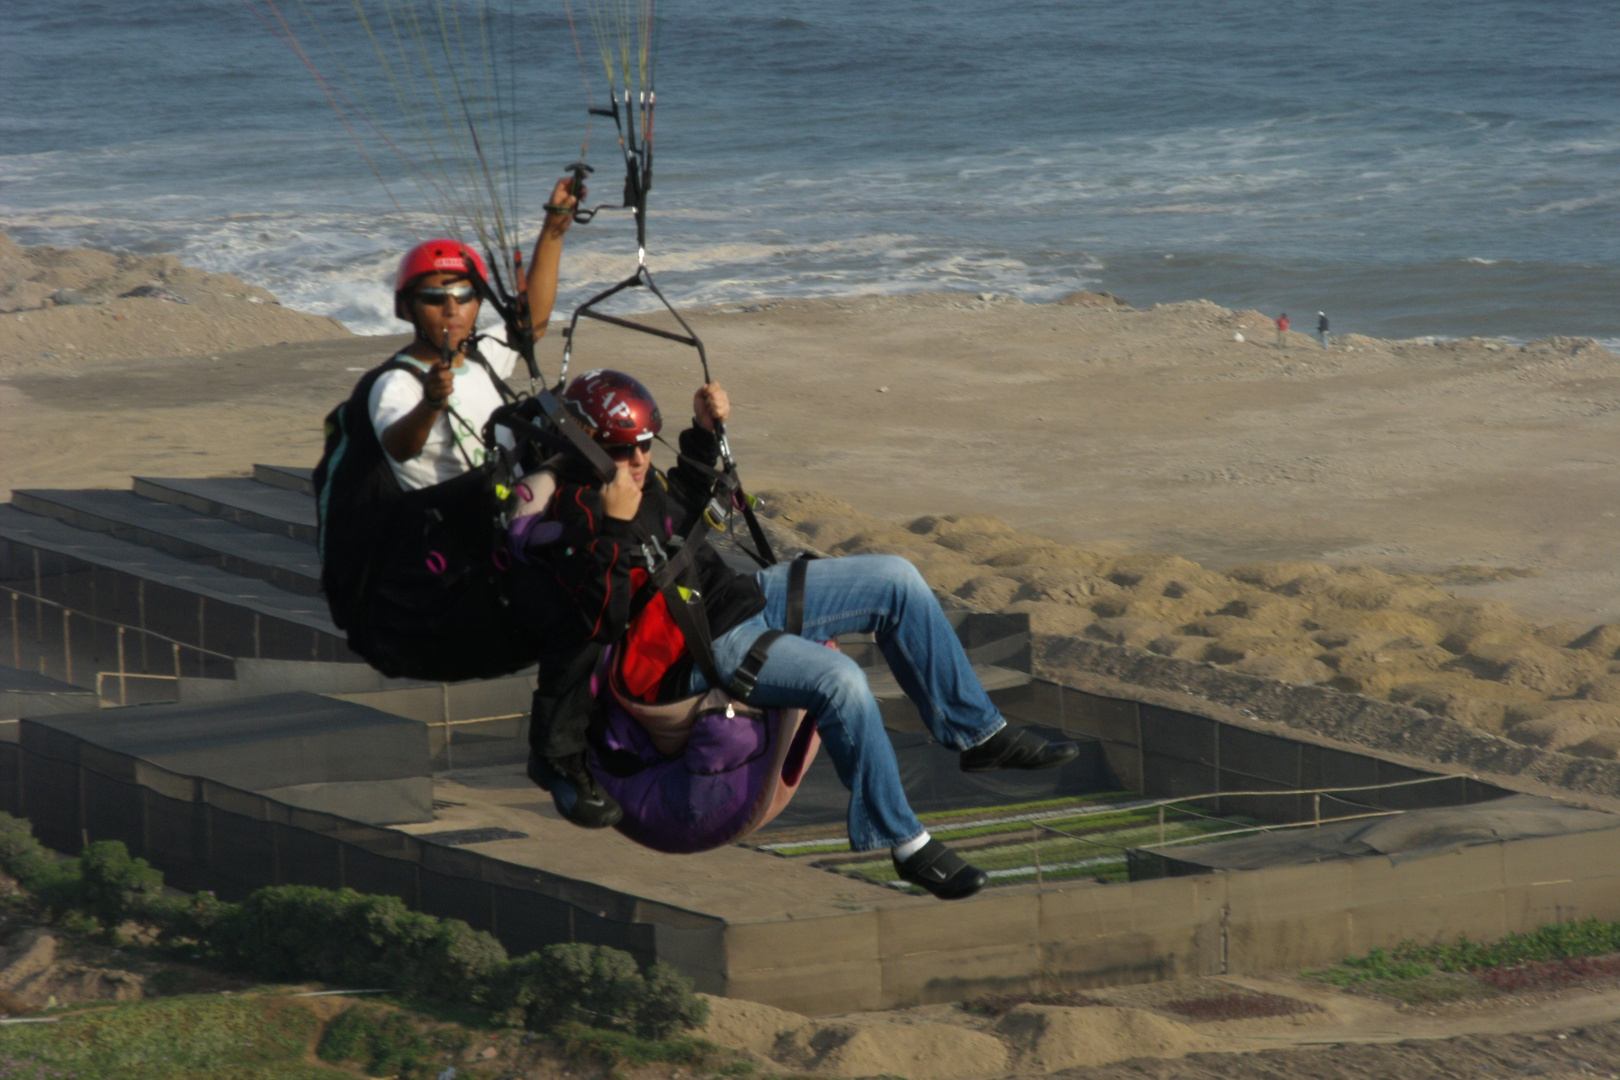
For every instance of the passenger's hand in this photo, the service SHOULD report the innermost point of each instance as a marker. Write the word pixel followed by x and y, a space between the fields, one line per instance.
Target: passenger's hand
pixel 438 384
pixel 557 221
pixel 621 498
pixel 711 406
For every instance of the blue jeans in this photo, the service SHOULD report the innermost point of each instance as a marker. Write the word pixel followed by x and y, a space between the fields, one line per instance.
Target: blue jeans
pixel 883 595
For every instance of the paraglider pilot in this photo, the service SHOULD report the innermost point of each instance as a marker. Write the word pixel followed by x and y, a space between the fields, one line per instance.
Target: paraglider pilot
pixel 612 534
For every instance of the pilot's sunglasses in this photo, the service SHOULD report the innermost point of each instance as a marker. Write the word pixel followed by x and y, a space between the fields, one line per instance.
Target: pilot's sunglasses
pixel 436 295
pixel 627 451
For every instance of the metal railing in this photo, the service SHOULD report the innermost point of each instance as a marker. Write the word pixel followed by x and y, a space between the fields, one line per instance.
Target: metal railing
pixel 1315 821
pixel 69 617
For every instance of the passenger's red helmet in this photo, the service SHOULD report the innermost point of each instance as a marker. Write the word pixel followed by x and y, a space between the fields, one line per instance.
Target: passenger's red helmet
pixel 616 409
pixel 443 255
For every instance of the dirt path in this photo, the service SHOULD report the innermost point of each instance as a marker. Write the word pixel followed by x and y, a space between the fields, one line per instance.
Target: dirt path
pixel 1586 1051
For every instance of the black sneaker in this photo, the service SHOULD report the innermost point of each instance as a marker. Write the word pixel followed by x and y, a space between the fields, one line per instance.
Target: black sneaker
pixel 577 795
pixel 1017 748
pixel 941 871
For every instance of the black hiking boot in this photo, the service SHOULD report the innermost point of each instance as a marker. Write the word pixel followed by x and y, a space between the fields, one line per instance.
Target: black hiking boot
pixel 941 871
pixel 577 795
pixel 1017 748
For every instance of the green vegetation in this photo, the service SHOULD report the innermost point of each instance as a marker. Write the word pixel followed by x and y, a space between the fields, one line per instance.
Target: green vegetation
pixel 1420 973
pixel 387 1042
pixel 202 1038
pixel 295 933
pixel 270 1036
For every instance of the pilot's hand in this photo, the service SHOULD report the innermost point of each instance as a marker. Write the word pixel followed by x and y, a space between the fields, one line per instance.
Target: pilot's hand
pixel 711 406
pixel 621 498
pixel 566 200
pixel 438 384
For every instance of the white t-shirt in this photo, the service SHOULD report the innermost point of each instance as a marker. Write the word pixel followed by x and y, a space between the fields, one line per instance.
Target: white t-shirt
pixel 453 444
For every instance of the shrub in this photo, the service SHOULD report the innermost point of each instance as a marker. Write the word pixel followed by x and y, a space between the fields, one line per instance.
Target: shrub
pixel 600 987
pixel 386 1043
pixel 114 887
pixel 51 879
pixel 295 932
pixel 669 1005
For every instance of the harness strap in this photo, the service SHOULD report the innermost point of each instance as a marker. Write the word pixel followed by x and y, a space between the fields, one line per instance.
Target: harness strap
pixel 728 486
pixel 686 609
pixel 795 596
pixel 746 677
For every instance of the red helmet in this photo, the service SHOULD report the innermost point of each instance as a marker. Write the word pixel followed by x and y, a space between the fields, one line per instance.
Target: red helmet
pixel 615 408
pixel 433 257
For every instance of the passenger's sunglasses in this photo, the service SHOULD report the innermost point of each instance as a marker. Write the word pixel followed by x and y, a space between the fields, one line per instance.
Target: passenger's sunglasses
pixel 627 451
pixel 436 295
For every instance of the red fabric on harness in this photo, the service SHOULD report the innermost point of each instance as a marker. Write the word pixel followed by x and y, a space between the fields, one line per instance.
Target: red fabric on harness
pixel 652 645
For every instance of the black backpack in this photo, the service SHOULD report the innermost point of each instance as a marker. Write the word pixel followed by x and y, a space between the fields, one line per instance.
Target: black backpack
pixel 417 579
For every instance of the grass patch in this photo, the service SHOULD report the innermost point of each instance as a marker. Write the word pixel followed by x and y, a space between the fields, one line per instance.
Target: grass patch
pixel 1559 954
pixel 269 1036
pixel 1559 941
pixel 201 1038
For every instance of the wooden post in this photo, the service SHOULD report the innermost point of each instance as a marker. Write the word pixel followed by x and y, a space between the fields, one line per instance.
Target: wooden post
pixel 1161 823
pixel 1316 808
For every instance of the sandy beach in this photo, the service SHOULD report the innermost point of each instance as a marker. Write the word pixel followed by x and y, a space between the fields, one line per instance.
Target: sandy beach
pixel 1428 523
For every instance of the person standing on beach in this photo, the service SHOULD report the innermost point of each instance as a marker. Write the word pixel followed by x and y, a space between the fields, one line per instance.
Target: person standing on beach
pixel 1322 328
pixel 1282 330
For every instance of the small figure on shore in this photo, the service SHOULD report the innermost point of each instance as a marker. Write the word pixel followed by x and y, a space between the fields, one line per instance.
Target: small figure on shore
pixel 1322 328
pixel 1282 330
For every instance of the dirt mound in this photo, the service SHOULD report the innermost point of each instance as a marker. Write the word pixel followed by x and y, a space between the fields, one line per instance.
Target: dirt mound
pixel 1028 1038
pixel 1400 637
pixel 60 306
pixel 1046 1038
pixel 33 976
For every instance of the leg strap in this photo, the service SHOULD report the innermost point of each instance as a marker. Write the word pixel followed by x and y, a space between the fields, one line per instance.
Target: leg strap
pixel 795 596
pixel 746 676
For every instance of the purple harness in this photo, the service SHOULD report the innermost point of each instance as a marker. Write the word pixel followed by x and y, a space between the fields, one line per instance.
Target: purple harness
pixel 738 768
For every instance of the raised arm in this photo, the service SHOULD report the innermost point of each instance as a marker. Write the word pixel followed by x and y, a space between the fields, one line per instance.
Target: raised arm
pixel 543 267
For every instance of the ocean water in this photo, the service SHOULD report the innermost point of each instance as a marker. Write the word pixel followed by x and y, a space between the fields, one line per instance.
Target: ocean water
pixel 1413 169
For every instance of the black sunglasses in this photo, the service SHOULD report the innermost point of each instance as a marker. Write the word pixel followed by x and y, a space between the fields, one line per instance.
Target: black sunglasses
pixel 436 295
pixel 624 452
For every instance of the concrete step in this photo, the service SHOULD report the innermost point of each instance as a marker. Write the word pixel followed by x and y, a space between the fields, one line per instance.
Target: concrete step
pixel 291 477
pixel 108 582
pixel 281 560
pixel 241 500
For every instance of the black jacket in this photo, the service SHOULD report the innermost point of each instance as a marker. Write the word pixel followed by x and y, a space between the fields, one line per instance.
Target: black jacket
pixel 595 554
